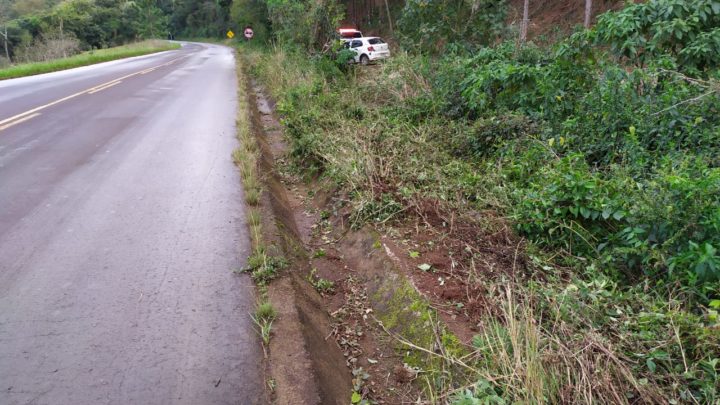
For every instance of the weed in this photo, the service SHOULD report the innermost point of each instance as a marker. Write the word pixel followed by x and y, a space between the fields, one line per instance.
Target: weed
pixel 319 253
pixel 322 285
pixel 263 318
pixel 253 217
pixel 265 311
pixel 264 268
pixel 252 191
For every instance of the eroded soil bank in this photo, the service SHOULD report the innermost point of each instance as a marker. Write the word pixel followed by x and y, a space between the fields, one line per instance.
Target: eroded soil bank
pixel 358 318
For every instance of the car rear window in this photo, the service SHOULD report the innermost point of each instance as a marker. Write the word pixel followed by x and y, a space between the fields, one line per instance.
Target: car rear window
pixel 375 41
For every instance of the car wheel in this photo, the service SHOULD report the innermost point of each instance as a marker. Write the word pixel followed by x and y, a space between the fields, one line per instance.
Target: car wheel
pixel 364 60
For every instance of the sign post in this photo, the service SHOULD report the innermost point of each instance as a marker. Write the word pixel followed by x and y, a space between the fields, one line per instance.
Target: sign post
pixel 248 32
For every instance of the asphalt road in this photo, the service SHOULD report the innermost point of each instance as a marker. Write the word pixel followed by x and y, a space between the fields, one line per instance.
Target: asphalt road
pixel 121 221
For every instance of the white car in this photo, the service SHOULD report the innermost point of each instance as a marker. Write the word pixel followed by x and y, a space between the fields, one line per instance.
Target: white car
pixel 368 49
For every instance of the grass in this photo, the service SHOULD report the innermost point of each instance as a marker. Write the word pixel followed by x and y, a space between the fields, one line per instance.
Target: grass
pixel 562 333
pixel 246 157
pixel 263 268
pixel 263 318
pixel 87 58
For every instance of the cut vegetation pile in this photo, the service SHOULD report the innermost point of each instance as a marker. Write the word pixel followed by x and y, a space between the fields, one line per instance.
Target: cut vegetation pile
pixel 563 203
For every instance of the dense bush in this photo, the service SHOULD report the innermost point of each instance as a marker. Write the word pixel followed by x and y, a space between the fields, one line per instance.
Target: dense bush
pixel 631 176
pixel 430 26
pixel 689 31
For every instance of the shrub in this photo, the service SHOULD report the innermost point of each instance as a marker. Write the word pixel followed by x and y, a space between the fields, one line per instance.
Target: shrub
pixel 686 30
pixel 429 26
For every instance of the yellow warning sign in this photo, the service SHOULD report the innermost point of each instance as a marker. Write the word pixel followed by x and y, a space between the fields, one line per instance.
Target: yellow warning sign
pixel 230 34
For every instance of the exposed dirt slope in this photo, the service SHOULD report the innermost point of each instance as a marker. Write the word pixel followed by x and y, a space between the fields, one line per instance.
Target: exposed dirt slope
pixel 548 17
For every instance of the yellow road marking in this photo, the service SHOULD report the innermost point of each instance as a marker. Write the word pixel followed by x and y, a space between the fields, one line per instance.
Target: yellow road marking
pixel 107 86
pixel 80 93
pixel 23 119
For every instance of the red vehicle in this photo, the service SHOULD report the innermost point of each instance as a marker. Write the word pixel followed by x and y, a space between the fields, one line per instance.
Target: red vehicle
pixel 349 33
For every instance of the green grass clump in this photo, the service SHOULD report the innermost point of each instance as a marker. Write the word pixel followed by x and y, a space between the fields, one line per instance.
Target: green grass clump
pixel 87 58
pixel 321 285
pixel 265 311
pixel 264 268
pixel 253 217
pixel 263 318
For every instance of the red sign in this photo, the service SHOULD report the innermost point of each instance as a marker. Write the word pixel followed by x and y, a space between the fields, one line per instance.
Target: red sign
pixel 248 32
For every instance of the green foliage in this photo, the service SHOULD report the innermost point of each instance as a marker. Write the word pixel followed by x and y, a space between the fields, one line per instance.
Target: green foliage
pixel 603 160
pixel 199 18
pixel 252 13
pixel 430 26
pixel 322 285
pixel 265 311
pixel 482 393
pixel 263 319
pixel 605 163
pixel 98 24
pixel 264 268
pixel 689 31
pixel 308 24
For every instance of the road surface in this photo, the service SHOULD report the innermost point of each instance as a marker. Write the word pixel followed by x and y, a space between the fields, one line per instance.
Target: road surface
pixel 121 221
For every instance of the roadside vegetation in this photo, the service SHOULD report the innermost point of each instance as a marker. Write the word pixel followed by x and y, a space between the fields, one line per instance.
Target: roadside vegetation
pixel 591 164
pixel 261 266
pixel 87 58
pixel 69 33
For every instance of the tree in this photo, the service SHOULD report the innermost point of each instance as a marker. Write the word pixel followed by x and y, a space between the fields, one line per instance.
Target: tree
pixel 430 26
pixel 310 24
pixel 151 21
pixel 389 16
pixel 5 10
pixel 525 21
pixel 588 13
pixel 252 13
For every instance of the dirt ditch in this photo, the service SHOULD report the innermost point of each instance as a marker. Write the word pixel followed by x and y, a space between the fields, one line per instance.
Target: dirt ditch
pixel 363 313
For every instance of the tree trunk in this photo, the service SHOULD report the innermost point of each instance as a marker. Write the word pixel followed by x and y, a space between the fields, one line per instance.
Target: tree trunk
pixel 62 38
pixel 588 13
pixel 387 8
pixel 5 42
pixel 525 21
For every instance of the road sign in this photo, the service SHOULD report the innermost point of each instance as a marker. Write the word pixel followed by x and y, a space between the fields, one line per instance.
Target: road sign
pixel 230 34
pixel 248 32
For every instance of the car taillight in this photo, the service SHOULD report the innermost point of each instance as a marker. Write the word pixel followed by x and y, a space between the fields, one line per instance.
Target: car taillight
pixel 371 49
